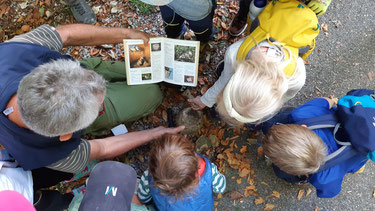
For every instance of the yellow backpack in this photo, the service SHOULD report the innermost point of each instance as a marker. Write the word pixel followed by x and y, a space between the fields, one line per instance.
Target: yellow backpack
pixel 290 23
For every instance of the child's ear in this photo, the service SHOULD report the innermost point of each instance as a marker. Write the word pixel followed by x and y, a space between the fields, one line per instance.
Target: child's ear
pixel 304 126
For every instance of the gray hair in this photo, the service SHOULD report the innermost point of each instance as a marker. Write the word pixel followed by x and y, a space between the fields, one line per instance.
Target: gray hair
pixel 60 97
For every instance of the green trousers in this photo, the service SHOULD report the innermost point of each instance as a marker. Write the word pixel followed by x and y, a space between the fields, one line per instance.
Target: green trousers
pixel 123 103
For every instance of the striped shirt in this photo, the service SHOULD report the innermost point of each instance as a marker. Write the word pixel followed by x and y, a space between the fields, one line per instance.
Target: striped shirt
pixel 144 195
pixel 47 36
pixel 76 161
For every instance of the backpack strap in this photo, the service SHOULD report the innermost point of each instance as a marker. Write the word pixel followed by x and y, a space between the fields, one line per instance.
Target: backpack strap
pixel 341 155
pixel 324 121
pixel 345 152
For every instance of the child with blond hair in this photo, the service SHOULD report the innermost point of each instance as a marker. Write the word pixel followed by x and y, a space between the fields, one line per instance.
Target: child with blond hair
pixel 266 69
pixel 178 178
pixel 298 153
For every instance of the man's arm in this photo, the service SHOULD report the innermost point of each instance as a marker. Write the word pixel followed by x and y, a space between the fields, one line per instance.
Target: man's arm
pixel 84 34
pixel 117 145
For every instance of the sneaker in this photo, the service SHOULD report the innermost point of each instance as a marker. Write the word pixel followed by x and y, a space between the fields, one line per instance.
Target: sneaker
pixel 82 12
pixel 238 26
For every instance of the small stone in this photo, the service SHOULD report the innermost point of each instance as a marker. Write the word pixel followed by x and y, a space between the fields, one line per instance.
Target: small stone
pixel 193 120
pixel 23 5
pixel 48 14
pixel 114 10
pixel 96 9
pixel 113 3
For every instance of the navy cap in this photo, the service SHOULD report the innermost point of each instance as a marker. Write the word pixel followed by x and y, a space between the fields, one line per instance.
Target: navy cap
pixel 110 186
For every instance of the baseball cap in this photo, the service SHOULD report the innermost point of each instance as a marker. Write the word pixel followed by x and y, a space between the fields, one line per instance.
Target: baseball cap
pixel 110 186
pixel 157 2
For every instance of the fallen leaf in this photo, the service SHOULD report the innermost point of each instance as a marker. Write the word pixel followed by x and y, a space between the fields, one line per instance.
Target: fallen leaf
pixel 308 192
pixel 300 194
pixel 276 194
pixel 219 196
pixel 264 183
pixel 141 157
pixel 306 62
pixel 325 27
pixel 234 195
pixel 239 181
pixel 215 204
pixel 252 141
pixel 244 172
pixel 243 149
pixel 204 89
pixel 220 134
pixel 259 200
pixel 25 28
pixel 317 209
pixel 269 206
pixel 371 75
pixel 259 152
pixel 200 81
pixel 165 115
pixel 94 51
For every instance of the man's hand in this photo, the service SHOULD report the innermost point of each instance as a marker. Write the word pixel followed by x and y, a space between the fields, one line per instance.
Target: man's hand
pixel 196 103
pixel 86 35
pixel 135 34
pixel 116 145
pixel 319 6
pixel 160 131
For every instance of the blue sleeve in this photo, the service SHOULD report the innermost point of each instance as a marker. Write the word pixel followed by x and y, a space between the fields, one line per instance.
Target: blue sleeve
pixel 313 108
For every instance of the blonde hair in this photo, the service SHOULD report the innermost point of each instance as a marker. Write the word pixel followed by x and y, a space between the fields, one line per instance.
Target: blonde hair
pixel 294 149
pixel 254 93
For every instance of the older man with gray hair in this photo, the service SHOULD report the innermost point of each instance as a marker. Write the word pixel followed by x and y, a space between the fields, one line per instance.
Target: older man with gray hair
pixel 48 99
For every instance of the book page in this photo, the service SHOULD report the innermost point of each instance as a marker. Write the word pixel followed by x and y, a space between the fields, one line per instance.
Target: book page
pixel 143 63
pixel 181 58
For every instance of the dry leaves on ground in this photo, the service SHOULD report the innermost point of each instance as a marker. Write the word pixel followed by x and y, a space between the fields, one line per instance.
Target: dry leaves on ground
pixel 276 194
pixel 259 200
pixel 300 194
pixel 234 195
pixel 308 192
pixel 269 206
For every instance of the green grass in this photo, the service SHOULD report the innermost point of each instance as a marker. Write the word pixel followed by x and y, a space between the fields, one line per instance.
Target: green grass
pixel 144 9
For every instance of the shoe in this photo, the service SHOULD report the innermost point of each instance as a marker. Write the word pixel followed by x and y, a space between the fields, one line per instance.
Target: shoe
pixel 238 26
pixel 51 200
pixel 82 12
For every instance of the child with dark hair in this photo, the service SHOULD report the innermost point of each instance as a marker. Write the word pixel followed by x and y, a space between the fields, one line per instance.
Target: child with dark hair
pixel 178 178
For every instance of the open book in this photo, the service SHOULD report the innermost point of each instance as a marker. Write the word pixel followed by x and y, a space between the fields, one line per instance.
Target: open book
pixel 163 59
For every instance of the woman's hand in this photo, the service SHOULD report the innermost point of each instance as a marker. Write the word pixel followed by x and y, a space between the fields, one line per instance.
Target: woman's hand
pixel 196 103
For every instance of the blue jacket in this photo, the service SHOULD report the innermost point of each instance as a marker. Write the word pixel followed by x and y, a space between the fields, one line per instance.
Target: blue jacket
pixel 327 182
pixel 203 198
pixel 29 149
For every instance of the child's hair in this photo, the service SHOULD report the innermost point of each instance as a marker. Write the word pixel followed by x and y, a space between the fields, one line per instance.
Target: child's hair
pixel 294 149
pixel 174 165
pixel 254 93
